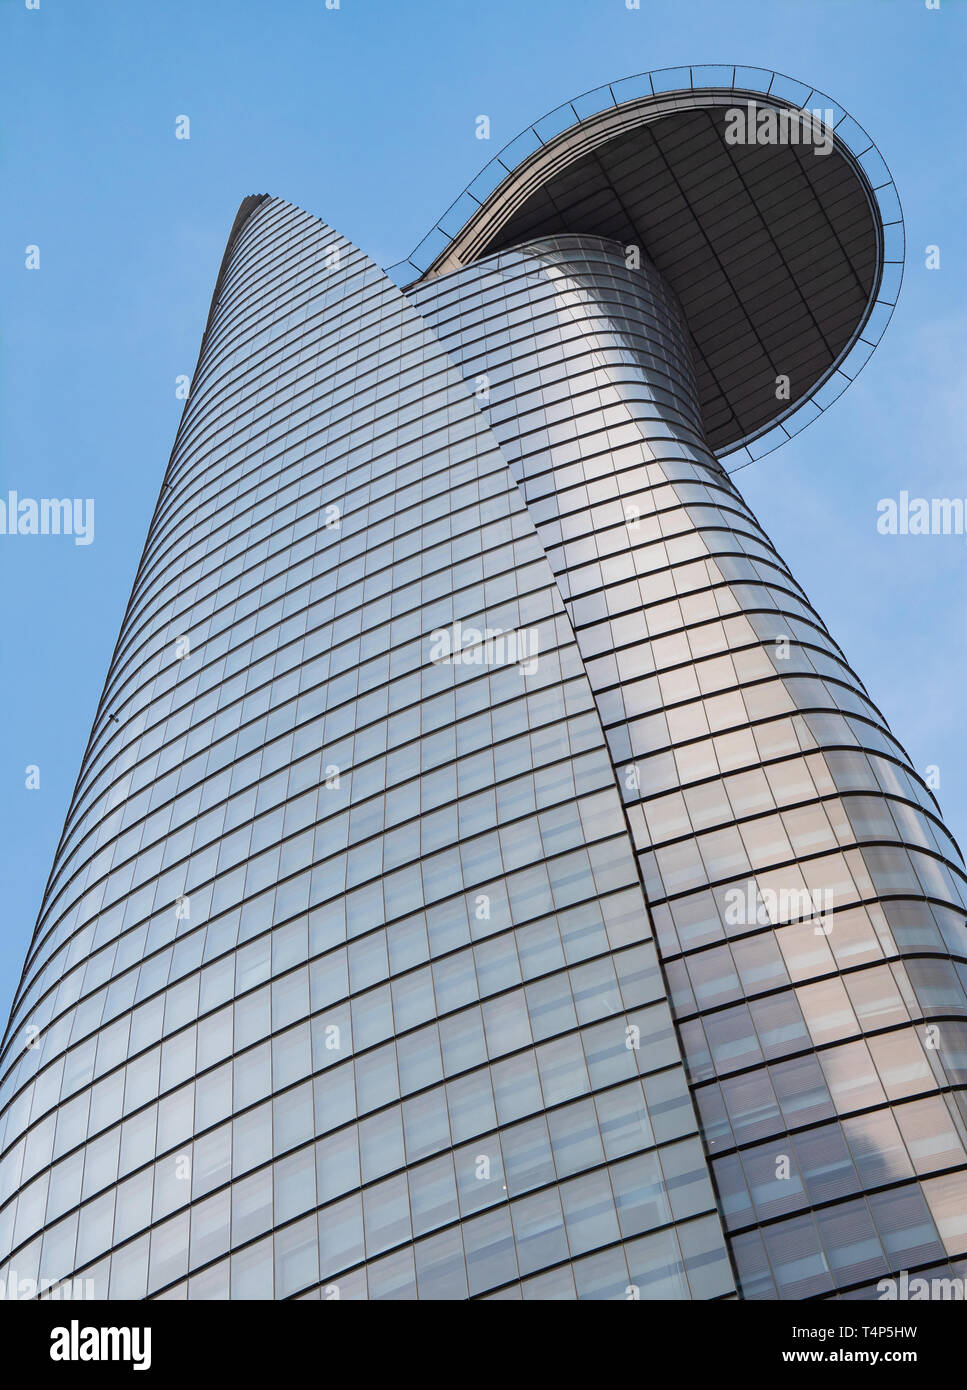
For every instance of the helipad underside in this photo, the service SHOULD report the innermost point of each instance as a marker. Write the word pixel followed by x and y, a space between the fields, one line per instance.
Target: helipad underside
pixel 774 249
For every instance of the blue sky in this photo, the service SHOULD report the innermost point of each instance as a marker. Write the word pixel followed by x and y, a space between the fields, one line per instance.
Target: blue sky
pixel 365 116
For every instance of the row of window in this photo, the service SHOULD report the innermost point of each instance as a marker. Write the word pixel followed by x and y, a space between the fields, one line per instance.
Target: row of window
pixel 769 958
pixel 678 1262
pixel 833 1161
pixel 776 1025
pixel 814 1254
pixel 528 1081
pixel 837 1080
pixel 132 891
pixel 532 956
pixel 351 770
pixel 629 1194
pixel 530 894
pixel 812 778
pixel 356 633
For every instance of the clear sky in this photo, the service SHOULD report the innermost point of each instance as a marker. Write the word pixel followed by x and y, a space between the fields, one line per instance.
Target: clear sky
pixel 365 115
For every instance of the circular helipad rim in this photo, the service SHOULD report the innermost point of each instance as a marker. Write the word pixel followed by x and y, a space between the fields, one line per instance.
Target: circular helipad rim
pixel 471 224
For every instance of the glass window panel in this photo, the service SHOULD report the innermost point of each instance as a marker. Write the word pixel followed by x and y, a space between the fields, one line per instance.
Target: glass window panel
pixel 539 1231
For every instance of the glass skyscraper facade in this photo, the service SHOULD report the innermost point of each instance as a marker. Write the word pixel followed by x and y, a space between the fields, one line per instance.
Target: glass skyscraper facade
pixel 486 876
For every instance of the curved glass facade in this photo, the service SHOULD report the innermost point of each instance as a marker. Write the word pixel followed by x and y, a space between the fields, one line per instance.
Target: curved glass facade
pixel 808 902
pixel 344 979
pixel 486 877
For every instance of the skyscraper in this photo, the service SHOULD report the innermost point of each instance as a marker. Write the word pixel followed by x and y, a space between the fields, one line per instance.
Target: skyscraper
pixel 486 876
